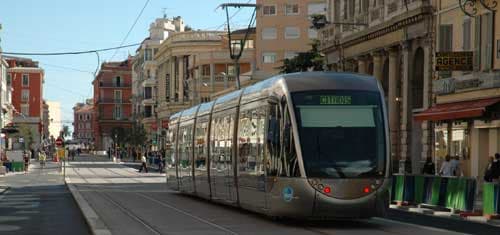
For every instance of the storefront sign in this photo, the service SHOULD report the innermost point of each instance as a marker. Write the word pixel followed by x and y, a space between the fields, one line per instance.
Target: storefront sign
pixel 454 61
pixel 459 84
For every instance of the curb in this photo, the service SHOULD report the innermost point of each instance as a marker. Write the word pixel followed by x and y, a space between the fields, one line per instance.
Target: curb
pixel 96 225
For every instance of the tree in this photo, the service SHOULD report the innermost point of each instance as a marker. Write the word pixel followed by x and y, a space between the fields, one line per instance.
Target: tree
pixel 65 131
pixel 27 134
pixel 188 28
pixel 304 61
pixel 119 136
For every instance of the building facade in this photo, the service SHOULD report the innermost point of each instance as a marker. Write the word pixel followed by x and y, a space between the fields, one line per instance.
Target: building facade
pixel 466 111
pixel 144 74
pixel 283 30
pixel 393 41
pixel 27 97
pixel 194 66
pixel 5 101
pixel 82 123
pixel 112 101
pixel 46 122
pixel 55 121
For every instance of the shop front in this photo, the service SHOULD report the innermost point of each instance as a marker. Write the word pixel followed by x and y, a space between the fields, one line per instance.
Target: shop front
pixel 467 129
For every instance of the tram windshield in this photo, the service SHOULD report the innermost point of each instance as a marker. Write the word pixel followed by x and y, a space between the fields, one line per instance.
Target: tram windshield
pixel 341 133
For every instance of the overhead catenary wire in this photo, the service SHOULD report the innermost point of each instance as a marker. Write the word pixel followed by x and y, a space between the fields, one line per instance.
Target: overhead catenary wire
pixel 131 28
pixel 68 52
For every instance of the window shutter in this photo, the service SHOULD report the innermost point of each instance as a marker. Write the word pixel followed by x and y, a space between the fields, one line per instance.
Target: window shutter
pixel 489 40
pixel 477 43
pixel 466 34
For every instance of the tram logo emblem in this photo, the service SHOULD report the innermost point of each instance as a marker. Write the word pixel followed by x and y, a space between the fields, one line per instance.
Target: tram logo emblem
pixel 287 194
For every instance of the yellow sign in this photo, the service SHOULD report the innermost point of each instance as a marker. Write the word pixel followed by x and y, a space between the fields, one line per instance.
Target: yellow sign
pixel 454 61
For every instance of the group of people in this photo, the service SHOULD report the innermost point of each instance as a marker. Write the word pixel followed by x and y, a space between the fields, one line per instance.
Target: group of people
pixel 451 167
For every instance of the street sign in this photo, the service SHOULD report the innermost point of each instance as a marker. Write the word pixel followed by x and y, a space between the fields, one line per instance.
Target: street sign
pixel 454 61
pixel 59 142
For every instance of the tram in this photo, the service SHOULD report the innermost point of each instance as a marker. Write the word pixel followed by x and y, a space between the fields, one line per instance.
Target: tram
pixel 302 145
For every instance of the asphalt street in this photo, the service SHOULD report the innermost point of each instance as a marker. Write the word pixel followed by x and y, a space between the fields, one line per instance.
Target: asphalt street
pixel 39 203
pixel 129 202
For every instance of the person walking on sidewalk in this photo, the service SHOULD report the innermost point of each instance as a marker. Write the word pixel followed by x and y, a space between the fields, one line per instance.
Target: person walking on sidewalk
pixel 489 171
pixel 109 153
pixel 455 165
pixel 143 164
pixel 429 167
pixel 446 167
pixel 496 168
pixel 26 159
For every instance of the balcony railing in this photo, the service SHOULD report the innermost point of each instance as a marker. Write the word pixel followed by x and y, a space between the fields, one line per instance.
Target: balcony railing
pixel 194 36
pixel 113 101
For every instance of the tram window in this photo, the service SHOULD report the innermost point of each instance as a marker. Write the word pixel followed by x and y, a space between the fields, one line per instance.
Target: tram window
pixel 185 147
pixel 221 152
pixel 171 143
pixel 250 141
pixel 273 140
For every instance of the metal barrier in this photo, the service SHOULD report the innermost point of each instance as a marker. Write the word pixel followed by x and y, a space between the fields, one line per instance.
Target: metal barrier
pixel 456 193
pixel 491 198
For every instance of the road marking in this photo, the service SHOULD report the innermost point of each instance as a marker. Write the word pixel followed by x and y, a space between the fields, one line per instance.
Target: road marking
pixel 187 213
pixel 417 226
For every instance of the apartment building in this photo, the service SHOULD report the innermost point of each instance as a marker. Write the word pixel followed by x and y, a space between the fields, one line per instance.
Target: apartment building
pixel 144 74
pixel 26 79
pixel 82 123
pixel 5 101
pixel 112 101
pixel 393 41
pixel 283 30
pixel 466 111
pixel 55 126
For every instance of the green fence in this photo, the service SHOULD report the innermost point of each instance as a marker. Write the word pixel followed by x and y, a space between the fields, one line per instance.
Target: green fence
pixel 450 192
pixel 491 198
pixel 17 166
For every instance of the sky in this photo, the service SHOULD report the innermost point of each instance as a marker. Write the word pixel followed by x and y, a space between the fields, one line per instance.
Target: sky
pixel 78 25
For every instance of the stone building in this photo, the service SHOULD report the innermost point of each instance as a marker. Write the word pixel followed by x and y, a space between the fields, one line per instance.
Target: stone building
pixel 393 41
pixel 144 74
pixel 192 66
pixel 466 113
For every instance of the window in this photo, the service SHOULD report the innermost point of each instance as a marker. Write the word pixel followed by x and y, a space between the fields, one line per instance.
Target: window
pixel 290 54
pixel 292 32
pixel 117 112
pixel 445 44
pixel 316 8
pixel 88 116
pixel 148 111
pixel 148 92
pixel 9 79
pixel 26 80
pixel 237 43
pixel 336 11
pixel 25 109
pixel 365 5
pixel 205 70
pixel 80 117
pixel 118 96
pixel 351 9
pixel 466 34
pixel 87 125
pixel 269 57
pixel 486 40
pixel 25 95
pixel 269 10
pixel 291 9
pixel 251 141
pixel 231 70
pixel 269 33
pixel 148 54
pixel 312 33
pixel 117 81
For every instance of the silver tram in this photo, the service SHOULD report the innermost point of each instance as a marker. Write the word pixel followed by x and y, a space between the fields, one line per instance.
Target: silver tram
pixel 311 145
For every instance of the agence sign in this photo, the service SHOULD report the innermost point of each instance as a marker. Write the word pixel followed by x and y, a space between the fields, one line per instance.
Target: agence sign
pixel 454 61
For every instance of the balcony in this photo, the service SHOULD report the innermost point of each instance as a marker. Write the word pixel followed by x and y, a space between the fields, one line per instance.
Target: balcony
pixel 149 82
pixel 113 101
pixel 107 118
pixel 115 85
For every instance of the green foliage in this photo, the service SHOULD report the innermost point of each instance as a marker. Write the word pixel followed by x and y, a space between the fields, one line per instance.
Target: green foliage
pixel 304 61
pixel 118 135
pixel 65 131
pixel 137 135
pixel 318 21
pixel 27 134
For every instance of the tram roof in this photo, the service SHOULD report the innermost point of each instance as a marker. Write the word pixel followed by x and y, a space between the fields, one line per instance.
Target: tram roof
pixel 305 81
pixel 228 101
pixel 190 113
pixel 205 108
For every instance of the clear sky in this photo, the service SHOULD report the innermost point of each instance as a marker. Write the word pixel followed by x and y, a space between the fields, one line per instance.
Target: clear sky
pixel 74 25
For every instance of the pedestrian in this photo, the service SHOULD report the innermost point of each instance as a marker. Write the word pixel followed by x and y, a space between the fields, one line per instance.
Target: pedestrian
pixel 496 167
pixel 455 166
pixel 109 153
pixel 161 163
pixel 429 167
pixel 26 159
pixel 488 172
pixel 446 167
pixel 143 164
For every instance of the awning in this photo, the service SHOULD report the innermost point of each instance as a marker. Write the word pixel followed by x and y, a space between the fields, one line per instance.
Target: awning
pixel 457 110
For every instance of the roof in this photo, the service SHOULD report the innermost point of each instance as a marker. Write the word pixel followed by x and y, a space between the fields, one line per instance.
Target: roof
pixel 85 109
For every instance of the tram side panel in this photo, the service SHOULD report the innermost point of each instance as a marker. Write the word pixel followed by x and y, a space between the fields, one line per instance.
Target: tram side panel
pixel 186 183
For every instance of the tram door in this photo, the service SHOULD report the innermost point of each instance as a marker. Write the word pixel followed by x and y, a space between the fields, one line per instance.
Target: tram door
pixel 171 159
pixel 221 159
pixel 250 162
pixel 185 151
